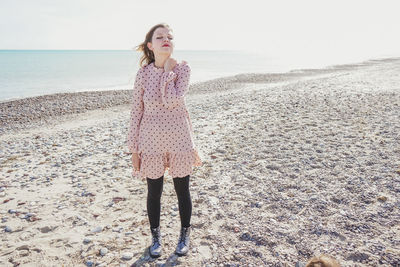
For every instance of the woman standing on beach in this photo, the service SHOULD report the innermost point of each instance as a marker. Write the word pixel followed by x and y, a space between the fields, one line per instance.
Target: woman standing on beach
pixel 160 134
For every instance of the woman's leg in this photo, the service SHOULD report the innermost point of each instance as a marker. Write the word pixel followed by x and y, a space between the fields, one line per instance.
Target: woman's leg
pixel 154 191
pixel 185 203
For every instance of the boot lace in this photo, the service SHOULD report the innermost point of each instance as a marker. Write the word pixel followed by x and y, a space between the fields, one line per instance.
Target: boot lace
pixel 182 236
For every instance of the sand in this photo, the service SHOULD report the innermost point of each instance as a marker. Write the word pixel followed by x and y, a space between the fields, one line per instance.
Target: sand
pixel 294 165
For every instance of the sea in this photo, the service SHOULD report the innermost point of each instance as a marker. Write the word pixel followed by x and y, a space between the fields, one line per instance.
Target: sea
pixel 28 73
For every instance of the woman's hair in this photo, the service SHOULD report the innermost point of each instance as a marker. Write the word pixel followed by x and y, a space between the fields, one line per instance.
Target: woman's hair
pixel 148 55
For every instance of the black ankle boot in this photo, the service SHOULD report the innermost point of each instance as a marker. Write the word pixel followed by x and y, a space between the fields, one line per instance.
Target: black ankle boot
pixel 155 249
pixel 183 244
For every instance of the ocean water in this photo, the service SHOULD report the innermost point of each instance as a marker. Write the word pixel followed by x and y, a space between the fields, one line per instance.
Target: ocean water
pixel 26 73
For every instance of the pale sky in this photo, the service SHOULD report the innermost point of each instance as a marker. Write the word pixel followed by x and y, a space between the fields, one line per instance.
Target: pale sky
pixel 359 26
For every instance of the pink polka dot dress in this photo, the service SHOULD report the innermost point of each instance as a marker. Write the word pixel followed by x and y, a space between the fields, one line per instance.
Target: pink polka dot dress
pixel 160 129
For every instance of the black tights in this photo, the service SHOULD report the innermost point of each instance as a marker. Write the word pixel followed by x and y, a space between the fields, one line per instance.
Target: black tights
pixel 154 191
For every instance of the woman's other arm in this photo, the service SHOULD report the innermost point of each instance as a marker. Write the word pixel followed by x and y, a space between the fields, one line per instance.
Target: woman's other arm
pixel 136 113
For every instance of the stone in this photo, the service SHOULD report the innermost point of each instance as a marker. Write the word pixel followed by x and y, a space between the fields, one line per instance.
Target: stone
pixel 87 240
pixel 103 251
pixel 382 198
pixel 97 229
pixel 127 256
pixel 23 247
pixel 45 229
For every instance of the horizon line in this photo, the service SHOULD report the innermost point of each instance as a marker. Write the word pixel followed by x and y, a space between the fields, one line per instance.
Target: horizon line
pixel 6 49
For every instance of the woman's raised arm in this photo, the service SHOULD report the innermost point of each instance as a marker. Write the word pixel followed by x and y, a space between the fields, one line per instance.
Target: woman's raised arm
pixel 174 85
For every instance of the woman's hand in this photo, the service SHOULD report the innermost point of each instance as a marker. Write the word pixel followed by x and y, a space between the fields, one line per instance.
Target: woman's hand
pixel 136 161
pixel 169 64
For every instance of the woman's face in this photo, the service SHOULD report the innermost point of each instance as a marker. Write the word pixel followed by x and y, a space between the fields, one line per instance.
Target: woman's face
pixel 162 41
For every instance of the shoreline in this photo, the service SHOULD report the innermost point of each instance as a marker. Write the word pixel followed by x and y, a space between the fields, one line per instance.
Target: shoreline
pixel 300 70
pixel 233 77
pixel 33 111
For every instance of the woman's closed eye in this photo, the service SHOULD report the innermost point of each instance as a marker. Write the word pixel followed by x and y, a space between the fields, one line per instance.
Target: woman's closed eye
pixel 168 38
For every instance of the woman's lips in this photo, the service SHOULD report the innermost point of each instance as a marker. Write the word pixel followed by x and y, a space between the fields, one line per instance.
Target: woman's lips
pixel 166 45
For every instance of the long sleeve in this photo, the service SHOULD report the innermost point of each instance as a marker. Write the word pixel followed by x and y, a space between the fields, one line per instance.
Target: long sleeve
pixel 136 113
pixel 174 85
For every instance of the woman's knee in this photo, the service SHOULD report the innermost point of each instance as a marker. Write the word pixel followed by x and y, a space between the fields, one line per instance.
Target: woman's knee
pixel 155 187
pixel 181 185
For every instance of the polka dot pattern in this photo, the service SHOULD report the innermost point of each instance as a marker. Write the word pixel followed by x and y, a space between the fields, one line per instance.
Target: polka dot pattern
pixel 160 129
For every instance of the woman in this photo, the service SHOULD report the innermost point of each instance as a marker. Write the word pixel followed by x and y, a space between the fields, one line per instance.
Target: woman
pixel 160 134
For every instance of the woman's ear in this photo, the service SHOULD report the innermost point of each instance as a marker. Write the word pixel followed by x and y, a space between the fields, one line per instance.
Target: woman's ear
pixel 150 46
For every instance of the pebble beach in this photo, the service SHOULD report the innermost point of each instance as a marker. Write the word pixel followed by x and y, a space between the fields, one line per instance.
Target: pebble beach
pixel 295 165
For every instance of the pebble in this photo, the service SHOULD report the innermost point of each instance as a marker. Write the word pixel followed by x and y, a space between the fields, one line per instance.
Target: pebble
pixel 382 198
pixel 45 229
pixel 127 256
pixel 87 240
pixel 97 229
pixel 256 205
pixel 103 251
pixel 23 247
pixel 27 216
pixel 118 230
pixel 8 229
pixel 24 253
